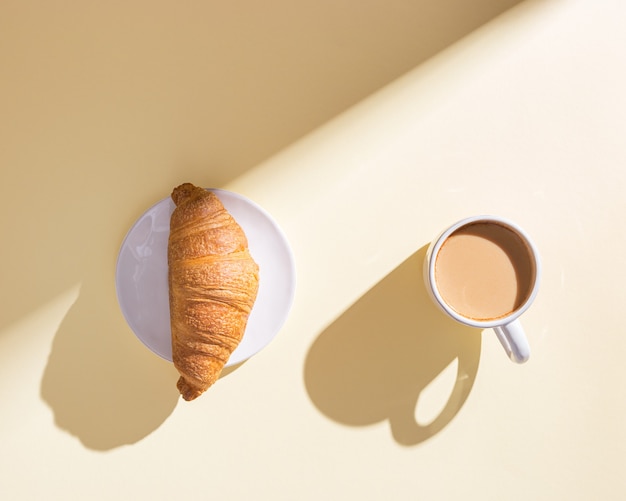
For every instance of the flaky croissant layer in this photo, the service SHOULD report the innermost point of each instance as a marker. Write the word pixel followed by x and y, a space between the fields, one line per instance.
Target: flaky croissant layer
pixel 213 284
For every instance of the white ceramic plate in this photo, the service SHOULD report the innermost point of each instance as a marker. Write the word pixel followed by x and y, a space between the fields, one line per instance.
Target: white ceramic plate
pixel 141 276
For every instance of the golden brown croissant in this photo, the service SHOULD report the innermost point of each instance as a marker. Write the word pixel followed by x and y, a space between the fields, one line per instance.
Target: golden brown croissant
pixel 213 283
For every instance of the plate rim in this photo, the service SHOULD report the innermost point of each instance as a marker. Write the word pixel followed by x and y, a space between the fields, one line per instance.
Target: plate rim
pixel 292 273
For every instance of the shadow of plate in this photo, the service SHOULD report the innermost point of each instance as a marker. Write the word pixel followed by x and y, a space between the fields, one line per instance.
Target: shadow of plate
pixel 102 384
pixel 376 360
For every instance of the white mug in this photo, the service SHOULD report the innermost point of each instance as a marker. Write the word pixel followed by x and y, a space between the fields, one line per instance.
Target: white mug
pixel 506 325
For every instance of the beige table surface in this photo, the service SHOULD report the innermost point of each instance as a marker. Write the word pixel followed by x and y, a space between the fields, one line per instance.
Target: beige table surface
pixel 364 128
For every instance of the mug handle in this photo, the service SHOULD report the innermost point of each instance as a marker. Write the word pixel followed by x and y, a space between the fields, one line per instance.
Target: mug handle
pixel 513 340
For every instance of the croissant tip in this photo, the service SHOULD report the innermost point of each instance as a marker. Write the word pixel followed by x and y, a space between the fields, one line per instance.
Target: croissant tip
pixel 183 192
pixel 188 391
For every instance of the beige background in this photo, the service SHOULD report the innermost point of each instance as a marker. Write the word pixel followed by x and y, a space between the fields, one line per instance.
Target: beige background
pixel 364 128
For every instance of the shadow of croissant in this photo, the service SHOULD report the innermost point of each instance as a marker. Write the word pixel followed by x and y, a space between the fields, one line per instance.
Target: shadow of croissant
pixel 375 361
pixel 102 384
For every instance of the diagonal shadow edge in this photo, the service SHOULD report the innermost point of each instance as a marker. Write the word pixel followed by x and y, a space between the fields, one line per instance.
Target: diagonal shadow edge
pixel 436 30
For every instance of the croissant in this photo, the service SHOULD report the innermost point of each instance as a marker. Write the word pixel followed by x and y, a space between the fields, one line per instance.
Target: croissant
pixel 213 284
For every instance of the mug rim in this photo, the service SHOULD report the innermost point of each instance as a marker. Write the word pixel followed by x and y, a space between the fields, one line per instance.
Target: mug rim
pixel 483 324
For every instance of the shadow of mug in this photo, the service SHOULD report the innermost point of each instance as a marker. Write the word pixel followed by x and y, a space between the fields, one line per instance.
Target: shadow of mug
pixel 375 361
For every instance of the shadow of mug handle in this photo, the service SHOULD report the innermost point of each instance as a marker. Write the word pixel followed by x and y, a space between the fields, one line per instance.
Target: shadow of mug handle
pixel 406 429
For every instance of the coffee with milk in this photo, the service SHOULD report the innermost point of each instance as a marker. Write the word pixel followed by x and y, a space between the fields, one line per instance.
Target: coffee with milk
pixel 484 271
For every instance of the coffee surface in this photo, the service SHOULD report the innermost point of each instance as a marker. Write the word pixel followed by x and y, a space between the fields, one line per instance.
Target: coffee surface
pixel 484 271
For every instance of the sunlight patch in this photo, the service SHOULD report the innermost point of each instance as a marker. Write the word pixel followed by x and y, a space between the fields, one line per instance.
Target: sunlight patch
pixel 434 397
